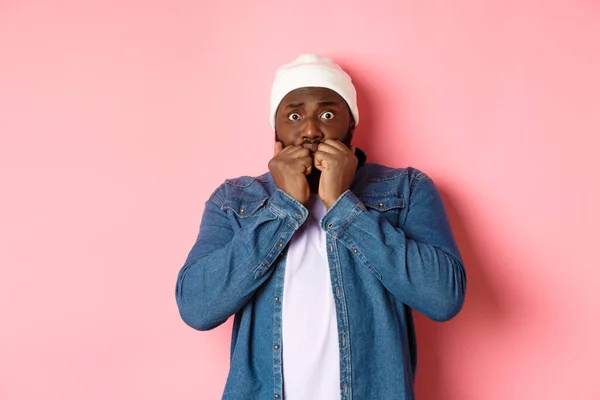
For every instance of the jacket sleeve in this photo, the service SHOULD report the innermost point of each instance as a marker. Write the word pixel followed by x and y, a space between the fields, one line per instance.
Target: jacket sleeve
pixel 419 263
pixel 228 262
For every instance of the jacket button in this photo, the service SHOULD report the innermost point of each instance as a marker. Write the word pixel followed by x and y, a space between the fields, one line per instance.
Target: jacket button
pixel 354 250
pixel 280 245
pixel 330 225
pixel 276 396
pixel 276 299
pixel 380 204
pixel 276 347
pixel 241 210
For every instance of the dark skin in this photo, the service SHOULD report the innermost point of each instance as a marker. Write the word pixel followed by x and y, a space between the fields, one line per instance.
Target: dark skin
pixel 313 129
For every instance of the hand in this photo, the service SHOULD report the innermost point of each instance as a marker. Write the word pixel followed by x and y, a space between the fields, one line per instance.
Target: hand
pixel 289 168
pixel 337 164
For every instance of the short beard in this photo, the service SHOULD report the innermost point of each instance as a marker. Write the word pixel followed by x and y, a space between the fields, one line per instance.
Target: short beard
pixel 315 175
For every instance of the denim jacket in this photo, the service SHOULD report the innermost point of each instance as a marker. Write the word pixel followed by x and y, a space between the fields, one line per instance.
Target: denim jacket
pixel 390 250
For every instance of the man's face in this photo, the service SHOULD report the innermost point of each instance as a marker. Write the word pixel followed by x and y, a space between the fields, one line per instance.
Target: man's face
pixel 311 115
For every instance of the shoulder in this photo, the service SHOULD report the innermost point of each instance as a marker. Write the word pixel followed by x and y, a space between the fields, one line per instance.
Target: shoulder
pixel 243 187
pixel 381 175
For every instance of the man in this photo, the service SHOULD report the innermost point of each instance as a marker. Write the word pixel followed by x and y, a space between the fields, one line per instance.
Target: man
pixel 322 258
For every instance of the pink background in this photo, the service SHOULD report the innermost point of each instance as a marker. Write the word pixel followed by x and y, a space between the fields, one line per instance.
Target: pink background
pixel 119 118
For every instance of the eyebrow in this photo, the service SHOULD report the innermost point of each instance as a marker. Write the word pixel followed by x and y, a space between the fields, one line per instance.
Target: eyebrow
pixel 324 103
pixel 294 105
pixel 328 103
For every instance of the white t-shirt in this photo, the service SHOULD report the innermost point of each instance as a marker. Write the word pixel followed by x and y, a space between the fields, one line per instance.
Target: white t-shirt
pixel 311 366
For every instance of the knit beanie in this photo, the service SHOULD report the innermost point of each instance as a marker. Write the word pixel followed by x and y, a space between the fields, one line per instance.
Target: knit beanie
pixel 310 70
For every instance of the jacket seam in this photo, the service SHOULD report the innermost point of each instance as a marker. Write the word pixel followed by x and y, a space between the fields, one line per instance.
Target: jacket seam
pixel 355 213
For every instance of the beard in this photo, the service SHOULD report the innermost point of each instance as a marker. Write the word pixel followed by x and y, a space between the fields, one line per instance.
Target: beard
pixel 315 175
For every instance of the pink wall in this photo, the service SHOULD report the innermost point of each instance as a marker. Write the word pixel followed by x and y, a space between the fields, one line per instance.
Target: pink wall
pixel 117 121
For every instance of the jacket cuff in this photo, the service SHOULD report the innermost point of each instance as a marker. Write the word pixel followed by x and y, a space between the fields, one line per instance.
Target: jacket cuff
pixel 285 206
pixel 346 208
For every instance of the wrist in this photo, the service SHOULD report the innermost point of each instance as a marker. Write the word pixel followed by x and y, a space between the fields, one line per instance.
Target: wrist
pixel 329 201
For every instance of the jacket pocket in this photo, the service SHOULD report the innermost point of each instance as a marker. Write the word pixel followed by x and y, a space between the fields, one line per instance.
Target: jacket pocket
pixel 244 206
pixel 390 205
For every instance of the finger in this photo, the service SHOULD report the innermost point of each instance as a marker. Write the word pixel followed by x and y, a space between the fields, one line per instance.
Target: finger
pixel 328 148
pixel 290 148
pixel 304 165
pixel 312 146
pixel 337 144
pixel 278 148
pixel 290 151
pixel 322 159
pixel 300 151
pixel 319 164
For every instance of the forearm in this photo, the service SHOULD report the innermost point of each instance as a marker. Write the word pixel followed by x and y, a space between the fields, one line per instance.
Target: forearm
pixel 225 267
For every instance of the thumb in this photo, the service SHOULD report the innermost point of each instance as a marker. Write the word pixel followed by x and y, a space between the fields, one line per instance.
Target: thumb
pixel 278 147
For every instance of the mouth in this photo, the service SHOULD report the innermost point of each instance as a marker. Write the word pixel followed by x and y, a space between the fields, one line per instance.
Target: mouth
pixel 311 146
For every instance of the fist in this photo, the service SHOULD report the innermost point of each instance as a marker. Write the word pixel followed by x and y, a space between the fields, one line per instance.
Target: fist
pixel 337 164
pixel 289 168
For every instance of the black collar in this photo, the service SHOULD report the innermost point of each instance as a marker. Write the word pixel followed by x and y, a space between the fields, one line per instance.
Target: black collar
pixel 362 157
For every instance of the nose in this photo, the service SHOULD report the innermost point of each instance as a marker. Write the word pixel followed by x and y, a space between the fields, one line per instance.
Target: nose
pixel 312 131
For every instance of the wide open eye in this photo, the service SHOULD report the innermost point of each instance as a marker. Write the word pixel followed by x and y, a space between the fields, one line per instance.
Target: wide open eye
pixel 327 115
pixel 294 117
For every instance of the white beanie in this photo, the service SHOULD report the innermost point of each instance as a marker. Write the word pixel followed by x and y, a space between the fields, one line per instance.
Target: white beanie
pixel 310 70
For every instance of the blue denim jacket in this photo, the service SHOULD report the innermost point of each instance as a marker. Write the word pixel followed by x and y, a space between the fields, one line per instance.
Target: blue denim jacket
pixel 390 250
